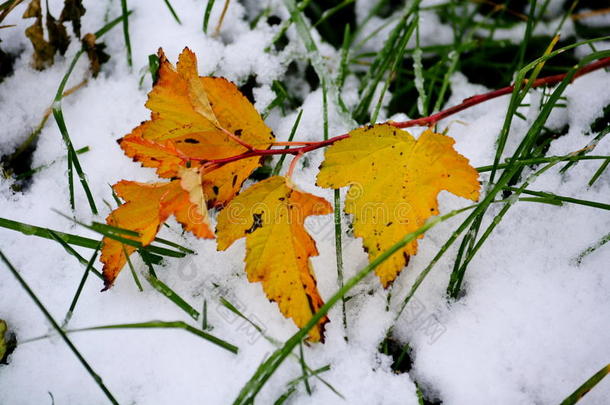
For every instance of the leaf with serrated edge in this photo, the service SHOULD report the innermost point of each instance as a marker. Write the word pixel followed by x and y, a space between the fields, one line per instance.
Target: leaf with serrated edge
pixel 146 207
pixel 394 181
pixel 194 114
pixel 271 215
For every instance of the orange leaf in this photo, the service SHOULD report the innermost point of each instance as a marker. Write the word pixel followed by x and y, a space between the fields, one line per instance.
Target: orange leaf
pixel 146 207
pixel 271 215
pixel 200 118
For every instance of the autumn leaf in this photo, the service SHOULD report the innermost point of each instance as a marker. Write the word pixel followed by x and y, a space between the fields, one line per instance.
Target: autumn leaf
pixel 146 207
pixel 95 53
pixel 271 215
pixel 198 118
pixel 73 11
pixel 58 40
pixel 394 181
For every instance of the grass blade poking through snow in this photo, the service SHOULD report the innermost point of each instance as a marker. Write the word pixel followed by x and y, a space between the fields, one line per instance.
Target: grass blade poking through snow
pixel 468 242
pixel 72 155
pixel 384 61
pixel 126 31
pixel 165 325
pixel 468 248
pixel 71 251
pixel 587 386
pixel 171 10
pixel 206 16
pixel 267 368
pixel 153 325
pixel 172 296
pixel 336 217
pixel 224 302
pixel 59 119
pixel 278 166
pixel 89 243
pixel 63 335
pixel 601 242
pixel 80 288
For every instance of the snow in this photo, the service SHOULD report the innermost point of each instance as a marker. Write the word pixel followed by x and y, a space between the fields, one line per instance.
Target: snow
pixel 531 327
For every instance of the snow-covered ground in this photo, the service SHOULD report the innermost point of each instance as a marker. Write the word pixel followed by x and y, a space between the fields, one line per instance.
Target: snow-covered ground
pixel 532 326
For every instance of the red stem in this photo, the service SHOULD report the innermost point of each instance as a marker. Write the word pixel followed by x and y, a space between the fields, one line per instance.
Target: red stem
pixel 424 121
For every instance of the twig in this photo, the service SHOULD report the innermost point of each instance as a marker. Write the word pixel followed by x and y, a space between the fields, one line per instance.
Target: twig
pixel 424 121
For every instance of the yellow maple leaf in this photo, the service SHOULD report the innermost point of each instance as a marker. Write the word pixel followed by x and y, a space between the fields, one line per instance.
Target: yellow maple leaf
pixel 271 215
pixel 199 118
pixel 395 180
pixel 146 207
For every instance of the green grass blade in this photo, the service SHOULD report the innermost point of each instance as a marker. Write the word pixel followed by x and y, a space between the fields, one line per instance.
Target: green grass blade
pixel 114 233
pixel 55 236
pixel 534 161
pixel 77 240
pixel 599 171
pixel 204 316
pixel 303 368
pixel 132 270
pixel 99 33
pixel 224 302
pixel 79 289
pixel 286 395
pixel 601 242
pixel 571 200
pixel 382 63
pixel 293 131
pixel 125 19
pixel 28 229
pixel 419 74
pixel 268 368
pixel 397 59
pixel 589 148
pixel 304 30
pixel 336 216
pixel 163 325
pixel 72 156
pixel 35 170
pixel 587 386
pixel 332 11
pixel 468 247
pixel 339 254
pixel 344 61
pixel 206 16
pixel 98 380
pixel 172 296
pixel 171 10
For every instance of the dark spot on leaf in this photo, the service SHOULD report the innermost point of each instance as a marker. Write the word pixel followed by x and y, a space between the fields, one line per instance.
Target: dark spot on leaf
pixel 191 140
pixel 257 222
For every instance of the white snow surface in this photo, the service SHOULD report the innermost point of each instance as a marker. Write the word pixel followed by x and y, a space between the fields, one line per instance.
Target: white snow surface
pixel 532 326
